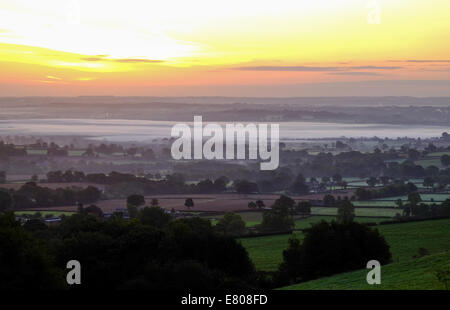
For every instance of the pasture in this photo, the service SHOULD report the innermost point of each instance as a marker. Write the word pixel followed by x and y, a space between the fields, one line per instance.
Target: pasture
pixel 418 274
pixel 44 213
pixel 404 239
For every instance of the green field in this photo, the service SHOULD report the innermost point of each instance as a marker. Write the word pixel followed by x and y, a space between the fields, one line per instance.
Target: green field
pixel 376 212
pixel 374 203
pixel 254 218
pixel 429 162
pixel 438 154
pixel 416 274
pixel 44 213
pixel 425 197
pixel 266 252
pixel 36 152
pixel 404 239
pixel 306 222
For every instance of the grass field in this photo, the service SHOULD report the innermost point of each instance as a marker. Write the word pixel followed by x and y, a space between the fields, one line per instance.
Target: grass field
pixel 266 252
pixel 416 274
pixel 376 212
pixel 429 162
pixel 425 197
pixel 44 213
pixel 254 218
pixel 374 203
pixel 404 239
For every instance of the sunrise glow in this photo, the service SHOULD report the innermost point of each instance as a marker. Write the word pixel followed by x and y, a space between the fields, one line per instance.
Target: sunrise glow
pixel 135 47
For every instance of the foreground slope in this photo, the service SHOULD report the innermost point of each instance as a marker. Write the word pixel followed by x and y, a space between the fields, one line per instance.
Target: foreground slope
pixel 416 274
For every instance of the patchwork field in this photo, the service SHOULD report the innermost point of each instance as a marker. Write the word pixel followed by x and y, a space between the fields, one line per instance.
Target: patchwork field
pixel 202 202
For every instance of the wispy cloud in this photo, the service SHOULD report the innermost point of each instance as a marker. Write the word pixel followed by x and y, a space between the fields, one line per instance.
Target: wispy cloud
pixel 361 73
pixel 375 68
pixel 121 60
pixel 287 68
pixel 131 60
pixel 314 69
pixel 428 60
pixel 85 79
pixel 51 77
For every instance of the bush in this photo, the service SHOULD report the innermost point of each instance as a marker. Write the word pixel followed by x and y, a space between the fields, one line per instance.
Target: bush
pixel 330 248
pixel 231 224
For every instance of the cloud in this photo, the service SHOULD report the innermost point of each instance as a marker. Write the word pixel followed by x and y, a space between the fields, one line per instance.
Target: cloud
pixel 51 77
pixel 314 69
pixel 287 68
pixel 138 60
pixel 93 59
pixel 375 68
pixel 121 60
pixel 355 73
pixel 427 60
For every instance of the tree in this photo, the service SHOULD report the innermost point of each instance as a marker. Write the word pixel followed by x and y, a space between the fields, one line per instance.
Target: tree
pixel 2 177
pixel 245 187
pixel 135 200
pixel 24 261
pixel 34 178
pixel 413 154
pixel 279 218
pixel 304 208
pixel 252 205
pixel 445 160
pixel 133 211
pixel 299 186
pixel 260 204
pixel 285 201
pixel 6 201
pixel 155 217
pixel 231 224
pixel 384 180
pixel 331 248
pixel 93 210
pixel 154 202
pixel 148 154
pixel 345 212
pixel 329 200
pixel 372 181
pixel 337 178
pixel 414 198
pixel 189 203
pixel 428 182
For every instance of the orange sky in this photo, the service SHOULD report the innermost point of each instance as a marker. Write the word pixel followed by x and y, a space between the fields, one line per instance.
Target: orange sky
pixel 231 48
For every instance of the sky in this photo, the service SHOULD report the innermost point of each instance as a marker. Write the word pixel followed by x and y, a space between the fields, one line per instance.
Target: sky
pixel 256 48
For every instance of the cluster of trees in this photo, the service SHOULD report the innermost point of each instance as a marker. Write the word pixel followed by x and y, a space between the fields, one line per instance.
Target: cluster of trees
pixel 31 195
pixel 280 216
pixel 109 149
pixel 258 204
pixel 8 150
pixel 148 252
pixel 391 190
pixel 445 160
pixel 127 183
pixel 330 248
pixel 415 208
pixel 155 251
